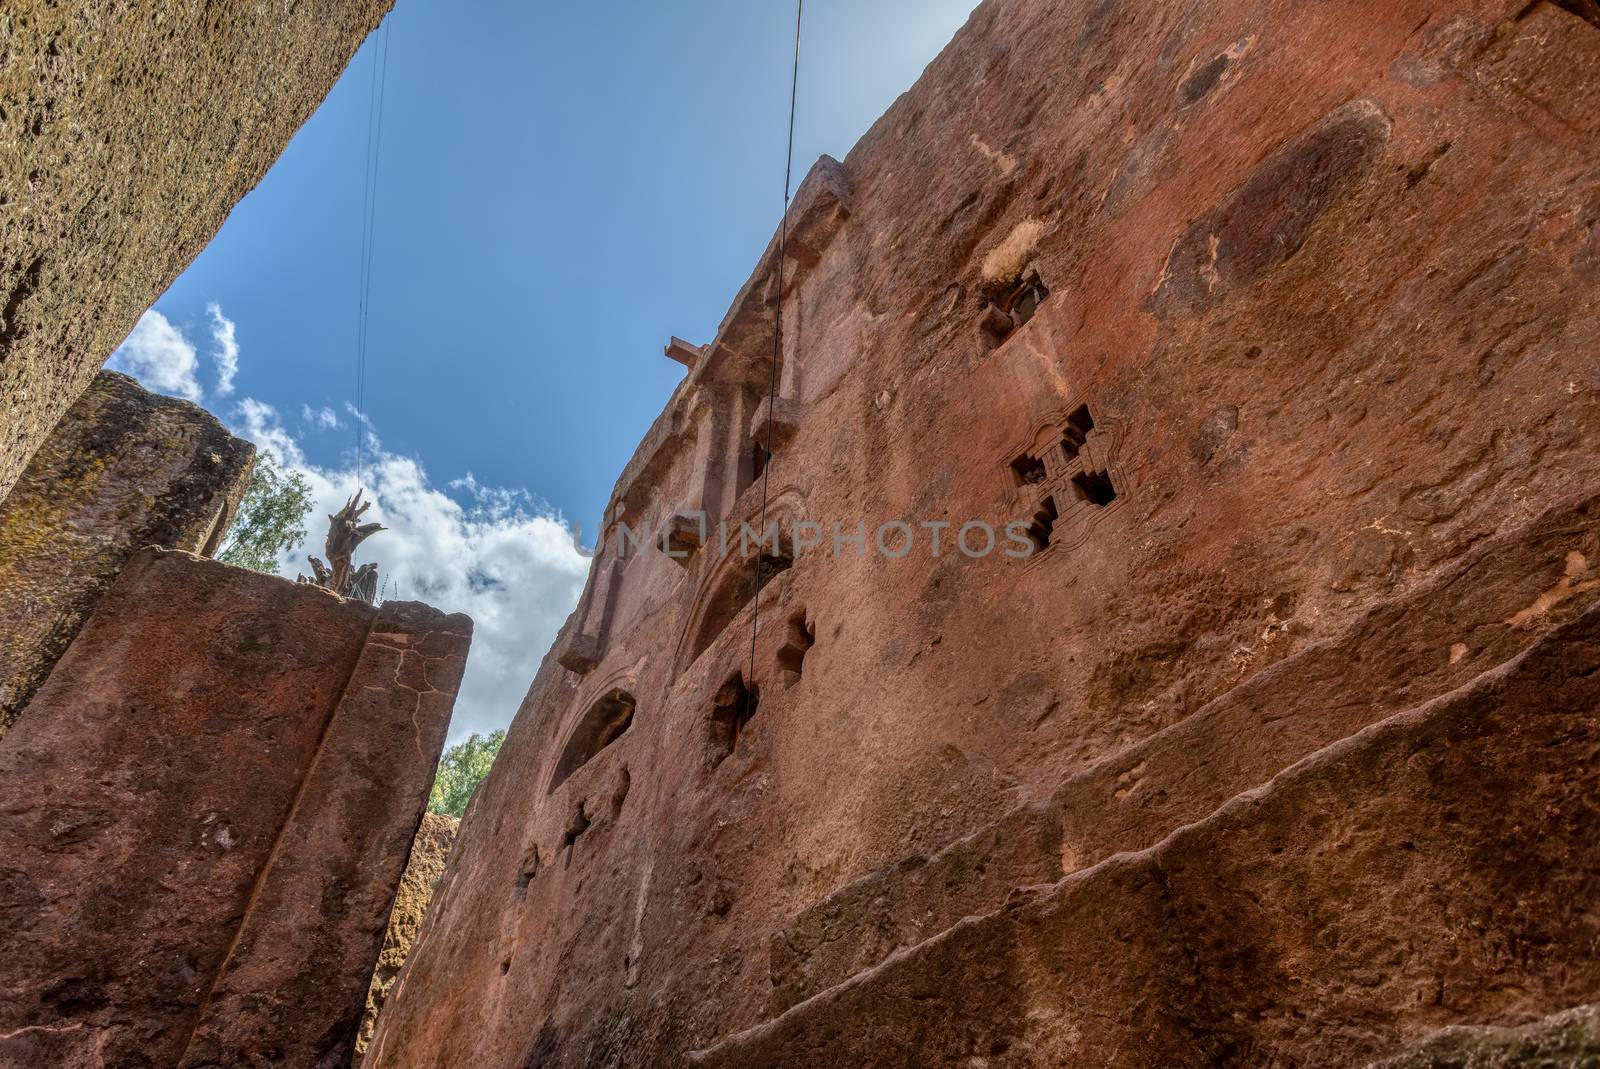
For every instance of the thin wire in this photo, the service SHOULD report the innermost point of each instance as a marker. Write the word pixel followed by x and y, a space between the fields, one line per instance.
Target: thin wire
pixel 777 329
pixel 369 213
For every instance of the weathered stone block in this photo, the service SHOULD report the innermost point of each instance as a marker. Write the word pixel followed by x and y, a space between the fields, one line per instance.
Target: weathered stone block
pixel 1333 916
pixel 776 420
pixel 124 469
pixel 208 818
pixel 1390 659
pixel 127 134
pixel 580 653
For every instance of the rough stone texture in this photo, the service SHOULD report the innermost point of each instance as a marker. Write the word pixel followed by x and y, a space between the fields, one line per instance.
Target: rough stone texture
pixel 1364 897
pixel 1323 283
pixel 128 131
pixel 124 469
pixel 428 854
pixel 1387 660
pixel 205 824
pixel 1566 1040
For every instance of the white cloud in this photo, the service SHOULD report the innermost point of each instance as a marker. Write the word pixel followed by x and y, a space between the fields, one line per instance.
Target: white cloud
pixel 225 348
pixel 498 555
pixel 158 355
pixel 323 418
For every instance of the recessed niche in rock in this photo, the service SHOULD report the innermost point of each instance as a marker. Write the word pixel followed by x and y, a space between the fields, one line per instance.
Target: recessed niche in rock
pixel 1028 469
pixel 798 640
pixel 579 824
pixel 528 871
pixel 1023 301
pixel 1066 483
pixel 1095 488
pixel 1044 521
pixel 619 791
pixel 1013 308
pixel 760 458
pixel 738 587
pixel 1587 10
pixel 731 712
pixel 1073 435
pixel 606 720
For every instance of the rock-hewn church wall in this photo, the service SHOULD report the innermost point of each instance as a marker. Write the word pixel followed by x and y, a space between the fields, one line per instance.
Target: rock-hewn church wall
pixel 207 817
pixel 128 131
pixel 1312 293
pixel 124 469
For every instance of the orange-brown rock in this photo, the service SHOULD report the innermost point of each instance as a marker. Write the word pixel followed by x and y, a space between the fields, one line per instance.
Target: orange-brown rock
pixel 128 131
pixel 124 469
pixel 1273 324
pixel 207 817
pixel 428 853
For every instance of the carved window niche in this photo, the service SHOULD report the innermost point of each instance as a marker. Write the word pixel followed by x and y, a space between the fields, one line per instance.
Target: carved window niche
pixel 1043 525
pixel 605 721
pixel 1029 470
pixel 1014 307
pixel 1076 432
pixel 736 589
pixel 799 637
pixel 683 537
pixel 731 712
pixel 759 458
pixel 773 425
pixel 1067 483
pixel 1094 487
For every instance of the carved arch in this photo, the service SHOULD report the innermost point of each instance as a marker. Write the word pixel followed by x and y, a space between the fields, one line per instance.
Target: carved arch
pixel 729 584
pixel 606 719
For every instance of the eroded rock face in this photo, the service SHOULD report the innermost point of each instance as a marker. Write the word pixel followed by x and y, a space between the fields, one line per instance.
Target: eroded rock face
pixel 428 853
pixel 1362 898
pixel 127 134
pixel 1567 1040
pixel 207 818
pixel 124 469
pixel 1319 332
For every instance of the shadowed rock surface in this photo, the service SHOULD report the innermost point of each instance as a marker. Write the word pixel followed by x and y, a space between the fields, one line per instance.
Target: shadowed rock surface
pixel 428 854
pixel 207 812
pixel 1273 325
pixel 124 469
pixel 128 131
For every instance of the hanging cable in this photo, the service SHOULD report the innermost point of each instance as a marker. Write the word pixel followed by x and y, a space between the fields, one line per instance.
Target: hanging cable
pixel 369 212
pixel 777 330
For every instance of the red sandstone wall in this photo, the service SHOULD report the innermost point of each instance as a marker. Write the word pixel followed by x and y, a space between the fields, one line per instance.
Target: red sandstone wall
pixel 208 810
pixel 1325 274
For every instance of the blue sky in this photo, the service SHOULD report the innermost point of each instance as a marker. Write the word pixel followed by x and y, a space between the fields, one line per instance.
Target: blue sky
pixel 557 194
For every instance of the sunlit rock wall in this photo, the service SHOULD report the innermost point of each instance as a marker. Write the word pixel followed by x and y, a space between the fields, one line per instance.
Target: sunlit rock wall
pixel 128 131
pixel 1275 325
pixel 124 469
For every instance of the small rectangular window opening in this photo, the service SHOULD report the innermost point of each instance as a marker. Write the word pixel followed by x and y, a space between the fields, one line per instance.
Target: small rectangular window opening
pixel 1076 432
pixel 1094 488
pixel 1028 470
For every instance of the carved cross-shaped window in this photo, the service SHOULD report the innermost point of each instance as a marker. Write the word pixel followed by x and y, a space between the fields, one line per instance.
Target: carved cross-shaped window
pixel 1067 481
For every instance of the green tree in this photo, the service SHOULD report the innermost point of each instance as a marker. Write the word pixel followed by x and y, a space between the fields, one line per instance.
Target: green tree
pixel 271 517
pixel 461 769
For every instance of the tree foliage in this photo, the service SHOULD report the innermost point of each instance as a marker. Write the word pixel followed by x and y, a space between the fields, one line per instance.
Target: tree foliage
pixel 271 517
pixel 461 769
